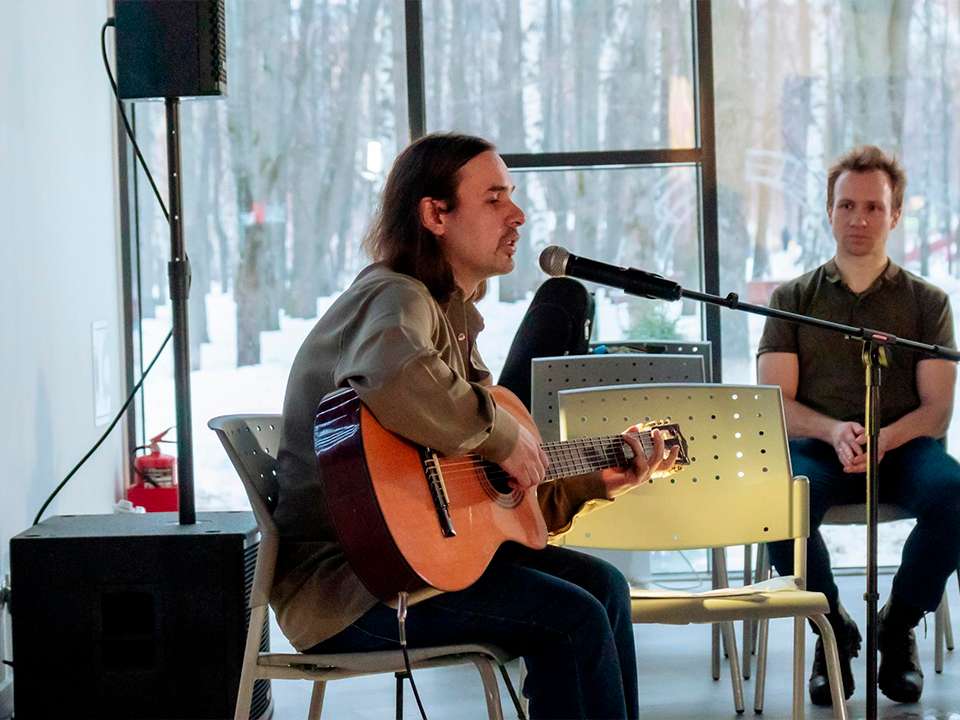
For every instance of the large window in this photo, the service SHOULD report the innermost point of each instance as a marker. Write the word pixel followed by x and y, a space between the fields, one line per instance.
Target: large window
pixel 593 105
pixel 798 82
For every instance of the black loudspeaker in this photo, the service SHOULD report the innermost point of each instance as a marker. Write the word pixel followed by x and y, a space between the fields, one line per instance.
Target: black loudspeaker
pixel 170 48
pixel 133 616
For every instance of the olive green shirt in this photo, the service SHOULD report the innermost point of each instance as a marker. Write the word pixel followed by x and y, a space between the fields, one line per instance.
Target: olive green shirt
pixel 831 379
pixel 416 367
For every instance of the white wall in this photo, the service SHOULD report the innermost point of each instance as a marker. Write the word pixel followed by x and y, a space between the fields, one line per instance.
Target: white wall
pixel 59 267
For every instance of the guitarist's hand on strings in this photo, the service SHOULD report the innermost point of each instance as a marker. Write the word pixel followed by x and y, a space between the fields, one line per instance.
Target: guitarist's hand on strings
pixel 642 467
pixel 527 463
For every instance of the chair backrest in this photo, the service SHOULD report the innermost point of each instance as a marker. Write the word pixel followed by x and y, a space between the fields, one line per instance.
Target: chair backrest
pixel 251 442
pixel 738 488
pixel 703 348
pixel 553 374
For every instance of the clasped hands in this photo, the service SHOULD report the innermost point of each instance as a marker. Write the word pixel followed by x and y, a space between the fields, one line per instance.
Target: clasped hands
pixel 849 440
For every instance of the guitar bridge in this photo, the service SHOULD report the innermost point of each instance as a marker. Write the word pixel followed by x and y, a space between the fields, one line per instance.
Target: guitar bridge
pixel 438 491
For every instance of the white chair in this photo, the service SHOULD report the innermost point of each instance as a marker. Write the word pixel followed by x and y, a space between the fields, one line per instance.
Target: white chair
pixel 685 362
pixel 251 443
pixel 738 489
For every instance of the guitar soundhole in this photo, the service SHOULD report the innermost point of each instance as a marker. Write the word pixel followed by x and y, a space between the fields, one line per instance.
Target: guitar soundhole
pixel 496 484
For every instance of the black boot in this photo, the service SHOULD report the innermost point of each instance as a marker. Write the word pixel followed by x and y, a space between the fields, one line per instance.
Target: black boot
pixel 848 646
pixel 899 677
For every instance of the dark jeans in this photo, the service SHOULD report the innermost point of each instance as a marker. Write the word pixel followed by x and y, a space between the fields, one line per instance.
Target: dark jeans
pixel 566 613
pixel 918 476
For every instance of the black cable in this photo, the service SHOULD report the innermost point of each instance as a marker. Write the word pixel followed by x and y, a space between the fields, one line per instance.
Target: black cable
pixel 110 22
pixel 103 437
pixel 402 630
pixel 413 685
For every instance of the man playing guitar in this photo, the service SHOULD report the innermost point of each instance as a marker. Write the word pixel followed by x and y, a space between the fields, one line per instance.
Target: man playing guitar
pixel 402 337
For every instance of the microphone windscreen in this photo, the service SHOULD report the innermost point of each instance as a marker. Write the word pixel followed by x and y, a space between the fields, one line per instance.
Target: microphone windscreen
pixel 553 260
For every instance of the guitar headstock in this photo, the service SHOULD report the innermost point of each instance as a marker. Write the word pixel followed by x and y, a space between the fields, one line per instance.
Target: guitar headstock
pixel 672 437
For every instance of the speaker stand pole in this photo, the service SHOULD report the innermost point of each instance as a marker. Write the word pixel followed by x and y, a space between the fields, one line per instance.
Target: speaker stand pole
pixel 179 272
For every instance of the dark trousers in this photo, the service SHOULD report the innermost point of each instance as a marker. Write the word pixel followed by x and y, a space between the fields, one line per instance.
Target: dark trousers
pixel 566 613
pixel 918 476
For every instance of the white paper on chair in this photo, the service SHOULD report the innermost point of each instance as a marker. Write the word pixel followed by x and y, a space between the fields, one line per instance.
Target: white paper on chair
pixel 777 584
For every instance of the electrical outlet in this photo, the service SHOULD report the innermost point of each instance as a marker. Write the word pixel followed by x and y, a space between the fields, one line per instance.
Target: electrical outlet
pixel 102 374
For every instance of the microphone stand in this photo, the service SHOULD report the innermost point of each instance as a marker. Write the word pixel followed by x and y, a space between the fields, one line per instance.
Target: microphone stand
pixel 873 354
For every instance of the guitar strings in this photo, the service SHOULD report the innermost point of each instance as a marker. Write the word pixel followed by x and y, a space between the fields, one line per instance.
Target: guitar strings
pixel 593 452
pixel 613 443
pixel 597 457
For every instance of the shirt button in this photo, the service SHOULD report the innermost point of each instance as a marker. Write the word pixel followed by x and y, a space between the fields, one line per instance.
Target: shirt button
pixel 461 337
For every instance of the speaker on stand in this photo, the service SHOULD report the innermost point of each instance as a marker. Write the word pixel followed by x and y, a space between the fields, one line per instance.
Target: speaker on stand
pixel 144 616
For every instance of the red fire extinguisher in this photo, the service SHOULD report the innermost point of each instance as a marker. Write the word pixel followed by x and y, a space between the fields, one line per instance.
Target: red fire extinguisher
pixel 156 478
pixel 156 469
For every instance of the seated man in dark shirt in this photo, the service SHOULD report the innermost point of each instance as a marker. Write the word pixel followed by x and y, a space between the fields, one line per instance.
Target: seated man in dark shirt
pixel 822 378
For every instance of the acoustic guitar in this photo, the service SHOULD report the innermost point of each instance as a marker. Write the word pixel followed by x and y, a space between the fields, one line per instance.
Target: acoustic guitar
pixel 411 520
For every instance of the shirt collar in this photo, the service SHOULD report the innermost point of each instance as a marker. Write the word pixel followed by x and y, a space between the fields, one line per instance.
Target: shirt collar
pixel 889 276
pixel 458 307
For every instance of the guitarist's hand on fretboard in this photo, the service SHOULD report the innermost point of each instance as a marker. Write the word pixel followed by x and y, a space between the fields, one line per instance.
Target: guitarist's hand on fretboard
pixel 527 464
pixel 643 465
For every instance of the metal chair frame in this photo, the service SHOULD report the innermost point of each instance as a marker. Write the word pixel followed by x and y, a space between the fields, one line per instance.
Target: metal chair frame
pixel 251 443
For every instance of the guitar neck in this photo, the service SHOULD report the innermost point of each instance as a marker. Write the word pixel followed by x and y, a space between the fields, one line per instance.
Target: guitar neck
pixel 585 455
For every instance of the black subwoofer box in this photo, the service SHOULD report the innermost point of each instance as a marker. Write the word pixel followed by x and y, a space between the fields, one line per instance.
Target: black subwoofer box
pixel 133 616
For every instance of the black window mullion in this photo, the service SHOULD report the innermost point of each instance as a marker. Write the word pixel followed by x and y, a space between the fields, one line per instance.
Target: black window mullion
pixel 707 185
pixel 602 159
pixel 416 95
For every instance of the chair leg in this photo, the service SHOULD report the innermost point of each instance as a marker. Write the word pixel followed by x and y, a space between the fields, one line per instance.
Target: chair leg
pixel 947 625
pixel 251 651
pixel 730 637
pixel 761 573
pixel 833 663
pixel 524 701
pixel 721 580
pixel 735 679
pixel 762 629
pixel 799 659
pixel 490 688
pixel 521 715
pixel 714 628
pixel 747 626
pixel 938 627
pixel 316 699
pixel 761 637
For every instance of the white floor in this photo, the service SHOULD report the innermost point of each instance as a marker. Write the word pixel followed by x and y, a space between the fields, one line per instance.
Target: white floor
pixel 674 678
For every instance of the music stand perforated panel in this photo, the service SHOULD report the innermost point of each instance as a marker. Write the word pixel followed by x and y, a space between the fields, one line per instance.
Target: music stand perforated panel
pixel 553 374
pixel 664 347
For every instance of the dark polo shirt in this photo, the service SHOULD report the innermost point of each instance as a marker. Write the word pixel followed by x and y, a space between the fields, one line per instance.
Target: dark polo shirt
pixel 831 371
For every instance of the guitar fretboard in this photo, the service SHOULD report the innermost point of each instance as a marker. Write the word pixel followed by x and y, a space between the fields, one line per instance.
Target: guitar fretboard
pixel 578 457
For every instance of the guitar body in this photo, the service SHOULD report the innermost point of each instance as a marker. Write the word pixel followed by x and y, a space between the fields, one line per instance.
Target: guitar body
pixel 384 505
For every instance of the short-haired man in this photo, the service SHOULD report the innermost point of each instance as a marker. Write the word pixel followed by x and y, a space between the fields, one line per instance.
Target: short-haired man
pixel 821 375
pixel 403 337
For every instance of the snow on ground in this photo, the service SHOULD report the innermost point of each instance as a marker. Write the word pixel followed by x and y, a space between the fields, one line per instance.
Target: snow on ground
pixel 220 388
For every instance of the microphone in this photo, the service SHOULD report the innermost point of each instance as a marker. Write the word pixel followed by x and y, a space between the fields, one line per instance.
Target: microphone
pixel 556 261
